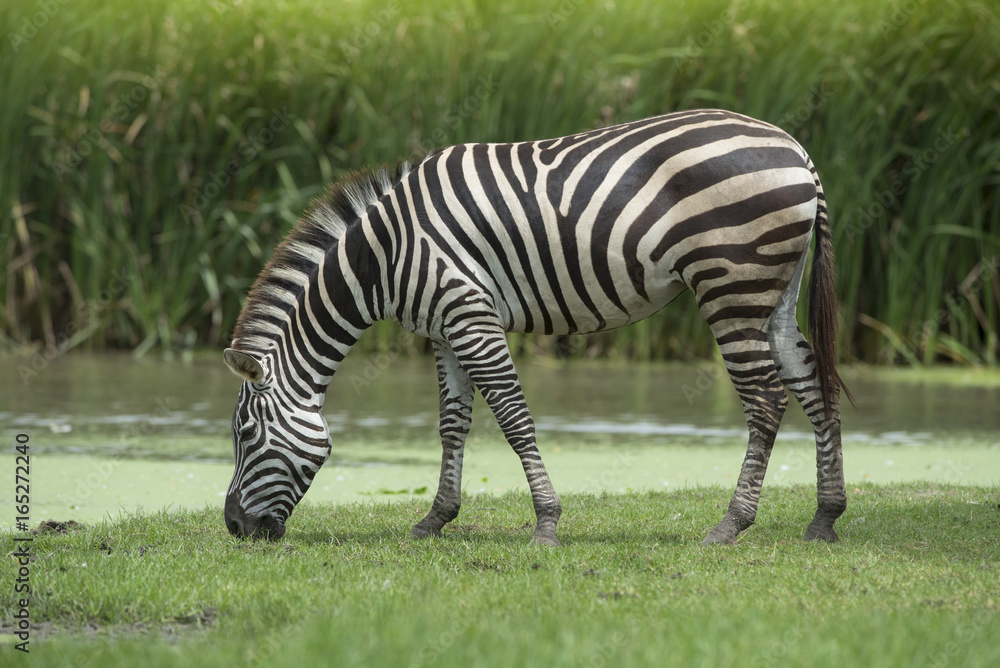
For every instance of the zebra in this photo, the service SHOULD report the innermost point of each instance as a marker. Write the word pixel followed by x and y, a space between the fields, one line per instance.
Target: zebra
pixel 576 234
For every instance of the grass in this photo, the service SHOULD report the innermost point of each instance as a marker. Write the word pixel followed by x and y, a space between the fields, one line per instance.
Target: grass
pixel 159 153
pixel 913 582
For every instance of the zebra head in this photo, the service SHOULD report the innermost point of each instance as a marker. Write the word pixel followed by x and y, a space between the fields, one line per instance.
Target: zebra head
pixel 279 445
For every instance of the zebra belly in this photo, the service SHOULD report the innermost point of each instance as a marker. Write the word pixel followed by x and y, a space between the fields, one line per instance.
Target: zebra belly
pixel 534 316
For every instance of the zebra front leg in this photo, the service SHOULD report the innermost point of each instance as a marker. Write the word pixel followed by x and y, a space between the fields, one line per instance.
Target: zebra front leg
pixel 764 401
pixel 486 358
pixel 456 394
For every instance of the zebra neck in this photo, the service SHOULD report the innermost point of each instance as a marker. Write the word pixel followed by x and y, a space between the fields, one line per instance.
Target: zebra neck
pixel 341 301
pixel 348 282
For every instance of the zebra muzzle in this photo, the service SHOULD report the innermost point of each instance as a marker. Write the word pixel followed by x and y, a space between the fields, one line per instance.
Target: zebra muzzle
pixel 263 526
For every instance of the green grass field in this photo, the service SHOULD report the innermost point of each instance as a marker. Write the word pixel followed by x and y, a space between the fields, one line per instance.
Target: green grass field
pixel 913 582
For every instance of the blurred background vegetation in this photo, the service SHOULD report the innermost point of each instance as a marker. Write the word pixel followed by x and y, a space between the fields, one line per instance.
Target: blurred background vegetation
pixel 154 153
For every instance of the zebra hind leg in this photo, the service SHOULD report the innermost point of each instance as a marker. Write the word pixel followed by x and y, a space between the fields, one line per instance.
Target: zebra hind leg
pixel 797 369
pixel 751 368
pixel 456 394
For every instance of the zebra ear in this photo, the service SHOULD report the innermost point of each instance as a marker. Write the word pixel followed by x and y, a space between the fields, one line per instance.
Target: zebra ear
pixel 244 365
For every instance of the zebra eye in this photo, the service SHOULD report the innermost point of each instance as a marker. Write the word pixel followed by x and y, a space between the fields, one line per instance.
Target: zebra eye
pixel 248 431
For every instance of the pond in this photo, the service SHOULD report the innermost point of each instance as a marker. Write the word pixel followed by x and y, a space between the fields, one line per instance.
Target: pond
pixel 111 433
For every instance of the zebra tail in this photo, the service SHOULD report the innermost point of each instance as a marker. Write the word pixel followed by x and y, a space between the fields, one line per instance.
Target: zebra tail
pixel 823 307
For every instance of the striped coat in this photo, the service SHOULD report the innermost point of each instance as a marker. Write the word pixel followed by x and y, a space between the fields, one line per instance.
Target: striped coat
pixel 570 235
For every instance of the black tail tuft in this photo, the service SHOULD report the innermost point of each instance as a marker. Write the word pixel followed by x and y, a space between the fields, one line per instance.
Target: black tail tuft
pixel 823 308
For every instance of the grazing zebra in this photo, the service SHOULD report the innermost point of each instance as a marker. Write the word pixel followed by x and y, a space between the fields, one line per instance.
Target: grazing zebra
pixel 570 235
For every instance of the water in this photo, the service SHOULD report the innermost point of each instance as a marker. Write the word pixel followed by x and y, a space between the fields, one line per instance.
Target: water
pixel 90 403
pixel 110 432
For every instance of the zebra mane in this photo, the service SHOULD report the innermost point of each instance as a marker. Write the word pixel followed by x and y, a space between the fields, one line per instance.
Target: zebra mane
pixel 288 271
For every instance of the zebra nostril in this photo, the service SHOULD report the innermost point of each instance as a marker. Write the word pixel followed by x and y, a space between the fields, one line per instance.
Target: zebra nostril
pixel 234 516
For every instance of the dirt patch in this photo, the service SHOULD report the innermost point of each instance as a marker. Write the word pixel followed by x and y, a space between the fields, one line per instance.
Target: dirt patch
pixel 616 594
pixel 206 617
pixel 53 526
pixel 92 632
pixel 482 566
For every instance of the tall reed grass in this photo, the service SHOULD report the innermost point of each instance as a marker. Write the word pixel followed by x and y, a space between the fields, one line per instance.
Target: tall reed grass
pixel 155 153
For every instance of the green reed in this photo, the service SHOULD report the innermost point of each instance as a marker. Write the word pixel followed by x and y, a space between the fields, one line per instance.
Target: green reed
pixel 156 154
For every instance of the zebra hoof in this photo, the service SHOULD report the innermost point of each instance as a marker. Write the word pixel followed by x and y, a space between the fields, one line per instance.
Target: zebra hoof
pixel 722 534
pixel 423 532
pixel 820 532
pixel 545 540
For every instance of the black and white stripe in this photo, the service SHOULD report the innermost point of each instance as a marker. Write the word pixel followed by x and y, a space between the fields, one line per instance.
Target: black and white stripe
pixel 569 235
